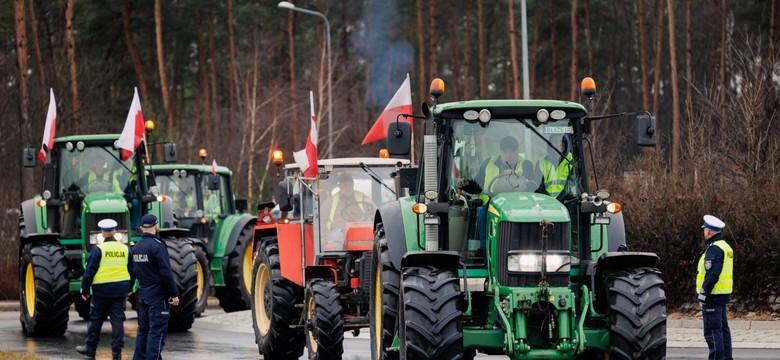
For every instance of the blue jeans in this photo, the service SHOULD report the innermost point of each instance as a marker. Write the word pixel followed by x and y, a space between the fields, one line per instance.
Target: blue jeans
pixel 153 316
pixel 101 308
pixel 716 331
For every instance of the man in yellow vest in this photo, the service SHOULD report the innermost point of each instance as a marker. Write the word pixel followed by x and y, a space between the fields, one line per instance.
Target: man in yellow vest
pixel 345 206
pixel 714 284
pixel 108 275
pixel 556 168
pixel 507 163
pixel 101 179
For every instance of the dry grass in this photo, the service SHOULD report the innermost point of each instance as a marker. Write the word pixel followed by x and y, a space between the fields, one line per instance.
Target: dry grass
pixel 10 355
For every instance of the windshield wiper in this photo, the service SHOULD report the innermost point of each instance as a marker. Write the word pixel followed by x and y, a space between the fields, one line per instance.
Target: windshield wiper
pixel 117 159
pixel 522 121
pixel 374 176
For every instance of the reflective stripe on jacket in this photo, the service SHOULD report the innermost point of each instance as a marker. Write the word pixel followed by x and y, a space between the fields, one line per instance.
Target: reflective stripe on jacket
pixel 555 177
pixel 725 282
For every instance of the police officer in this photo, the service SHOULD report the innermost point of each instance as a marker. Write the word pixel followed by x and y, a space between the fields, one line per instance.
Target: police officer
pixel 108 274
pixel 714 285
pixel 157 290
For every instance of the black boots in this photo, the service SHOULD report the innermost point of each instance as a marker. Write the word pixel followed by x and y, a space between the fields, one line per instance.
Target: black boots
pixel 86 350
pixel 116 354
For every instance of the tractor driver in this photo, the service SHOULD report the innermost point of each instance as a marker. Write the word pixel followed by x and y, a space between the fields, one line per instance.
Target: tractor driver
pixel 347 205
pixel 555 168
pixel 184 200
pixel 508 163
pixel 101 179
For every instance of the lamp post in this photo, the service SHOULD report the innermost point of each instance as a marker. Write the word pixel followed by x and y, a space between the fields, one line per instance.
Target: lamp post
pixel 290 6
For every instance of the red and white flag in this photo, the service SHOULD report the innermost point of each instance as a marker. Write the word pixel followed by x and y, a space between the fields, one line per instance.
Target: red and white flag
pixel 401 103
pixel 214 167
pixel 49 129
pixel 133 133
pixel 307 159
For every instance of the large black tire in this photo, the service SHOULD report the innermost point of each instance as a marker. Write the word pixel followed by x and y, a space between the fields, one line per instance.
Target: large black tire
pixel 185 272
pixel 637 314
pixel 324 323
pixel 274 306
pixel 203 280
pixel 383 307
pixel 235 295
pixel 44 299
pixel 82 306
pixel 430 316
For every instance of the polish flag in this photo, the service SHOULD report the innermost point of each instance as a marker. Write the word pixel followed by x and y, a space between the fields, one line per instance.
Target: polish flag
pixel 214 167
pixel 307 159
pixel 49 129
pixel 401 103
pixel 133 133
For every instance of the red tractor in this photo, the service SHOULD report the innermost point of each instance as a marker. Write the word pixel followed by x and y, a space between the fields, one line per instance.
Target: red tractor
pixel 312 265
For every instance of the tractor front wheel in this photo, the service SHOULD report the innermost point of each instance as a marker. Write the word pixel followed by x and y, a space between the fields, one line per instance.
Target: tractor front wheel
pixel 383 307
pixel 324 324
pixel 430 315
pixel 637 314
pixel 274 306
pixel 203 279
pixel 184 266
pixel 43 290
pixel 235 295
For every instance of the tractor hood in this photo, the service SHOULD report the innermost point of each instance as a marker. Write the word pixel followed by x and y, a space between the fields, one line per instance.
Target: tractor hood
pixel 527 207
pixel 105 203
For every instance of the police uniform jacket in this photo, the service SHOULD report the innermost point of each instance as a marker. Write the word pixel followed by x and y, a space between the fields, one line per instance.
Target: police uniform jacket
pixel 715 256
pixel 105 289
pixel 153 269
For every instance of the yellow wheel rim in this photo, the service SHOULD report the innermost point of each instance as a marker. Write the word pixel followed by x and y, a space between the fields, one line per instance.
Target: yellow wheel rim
pixel 247 268
pixel 377 312
pixel 262 299
pixel 29 290
pixel 310 307
pixel 201 281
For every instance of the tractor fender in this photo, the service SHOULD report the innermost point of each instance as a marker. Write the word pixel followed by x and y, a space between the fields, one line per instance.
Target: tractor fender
pixel 389 215
pixel 197 243
pixel 616 231
pixel 242 222
pixel 609 262
pixel 321 272
pixel 173 233
pixel 30 221
pixel 449 260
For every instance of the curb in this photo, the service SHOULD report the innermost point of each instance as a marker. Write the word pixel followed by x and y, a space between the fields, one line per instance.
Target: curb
pixel 733 324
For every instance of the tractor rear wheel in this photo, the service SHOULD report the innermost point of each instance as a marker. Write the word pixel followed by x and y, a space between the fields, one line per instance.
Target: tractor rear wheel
pixel 430 315
pixel 184 266
pixel 274 306
pixel 203 280
pixel 383 308
pixel 637 314
pixel 235 295
pixel 43 290
pixel 324 323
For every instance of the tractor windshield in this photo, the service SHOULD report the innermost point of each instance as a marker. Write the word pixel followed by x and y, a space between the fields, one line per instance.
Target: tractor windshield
pixel 349 198
pixel 96 169
pixel 182 190
pixel 513 155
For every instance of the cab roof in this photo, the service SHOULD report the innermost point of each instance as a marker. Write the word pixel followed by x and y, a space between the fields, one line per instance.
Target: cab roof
pixel 165 168
pixel 509 108
pixel 353 162
pixel 86 137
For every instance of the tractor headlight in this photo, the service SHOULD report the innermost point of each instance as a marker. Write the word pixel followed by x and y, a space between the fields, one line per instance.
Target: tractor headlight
pixel 519 261
pixel 96 238
pixel 121 236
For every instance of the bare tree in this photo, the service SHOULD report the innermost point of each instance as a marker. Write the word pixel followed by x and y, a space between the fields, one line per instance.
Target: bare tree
pixel 293 82
pixel 659 34
pixel 37 50
pixel 772 36
pixel 423 81
pixel 588 40
pixel 643 54
pixel 134 57
pixel 161 68
pixel 513 57
pixel 574 51
pixel 688 57
pixel 20 32
pixel 481 43
pixel 74 84
pixel 723 50
pixel 675 93
pixel 535 47
pixel 433 40
pixel 551 12
pixel 466 74
pixel 203 81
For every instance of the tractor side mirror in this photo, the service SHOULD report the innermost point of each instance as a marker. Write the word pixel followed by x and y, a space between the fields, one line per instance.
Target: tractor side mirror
pixel 645 130
pixel 399 139
pixel 28 157
pixel 408 179
pixel 170 153
pixel 213 182
pixel 242 205
pixel 284 197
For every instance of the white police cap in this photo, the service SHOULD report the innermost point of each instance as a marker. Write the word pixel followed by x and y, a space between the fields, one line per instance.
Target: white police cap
pixel 107 225
pixel 713 223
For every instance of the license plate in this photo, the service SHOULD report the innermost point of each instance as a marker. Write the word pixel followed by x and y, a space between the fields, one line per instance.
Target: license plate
pixel 431 220
pixel 601 220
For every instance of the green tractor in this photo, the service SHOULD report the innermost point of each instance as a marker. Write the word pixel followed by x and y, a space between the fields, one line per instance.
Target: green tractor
pixel 84 181
pixel 220 229
pixel 529 263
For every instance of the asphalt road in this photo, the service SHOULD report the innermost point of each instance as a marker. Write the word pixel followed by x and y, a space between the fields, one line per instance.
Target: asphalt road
pixel 209 339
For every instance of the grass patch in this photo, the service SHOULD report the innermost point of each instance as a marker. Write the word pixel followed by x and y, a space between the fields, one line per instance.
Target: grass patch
pixel 11 355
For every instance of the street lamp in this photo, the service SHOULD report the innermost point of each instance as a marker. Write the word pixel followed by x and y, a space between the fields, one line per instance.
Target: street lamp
pixel 290 6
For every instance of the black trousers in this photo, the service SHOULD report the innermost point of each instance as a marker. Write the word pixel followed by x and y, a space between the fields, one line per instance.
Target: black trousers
pixel 101 308
pixel 716 331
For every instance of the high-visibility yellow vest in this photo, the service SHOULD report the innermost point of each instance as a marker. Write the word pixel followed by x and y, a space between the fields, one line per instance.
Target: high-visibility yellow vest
pixel 555 177
pixel 358 197
pixel 113 263
pixel 725 283
pixel 492 170
pixel 107 177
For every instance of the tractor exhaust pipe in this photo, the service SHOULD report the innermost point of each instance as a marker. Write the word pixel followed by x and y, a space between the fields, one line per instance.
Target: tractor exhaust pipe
pixel 430 177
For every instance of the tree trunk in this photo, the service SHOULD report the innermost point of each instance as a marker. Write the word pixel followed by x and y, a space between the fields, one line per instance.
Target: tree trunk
pixel 74 84
pixel 554 53
pixel 535 47
pixel 252 116
pixel 214 116
pixel 49 37
pixel 466 73
pixel 723 50
pixel 433 38
pixel 643 55
pixel 293 82
pixel 233 64
pixel 20 32
pixel 688 58
pixel 203 82
pixel 481 43
pixel 588 39
pixel 574 52
pixel 455 53
pixel 513 56
pixel 675 93
pixel 136 59
pixel 161 68
pixel 773 36
pixel 37 50
pixel 422 48
pixel 659 34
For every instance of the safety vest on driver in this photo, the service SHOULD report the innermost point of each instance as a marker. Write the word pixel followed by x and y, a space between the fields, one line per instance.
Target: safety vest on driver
pixel 492 171
pixel 725 282
pixel 107 177
pixel 555 177
pixel 113 263
pixel 358 198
